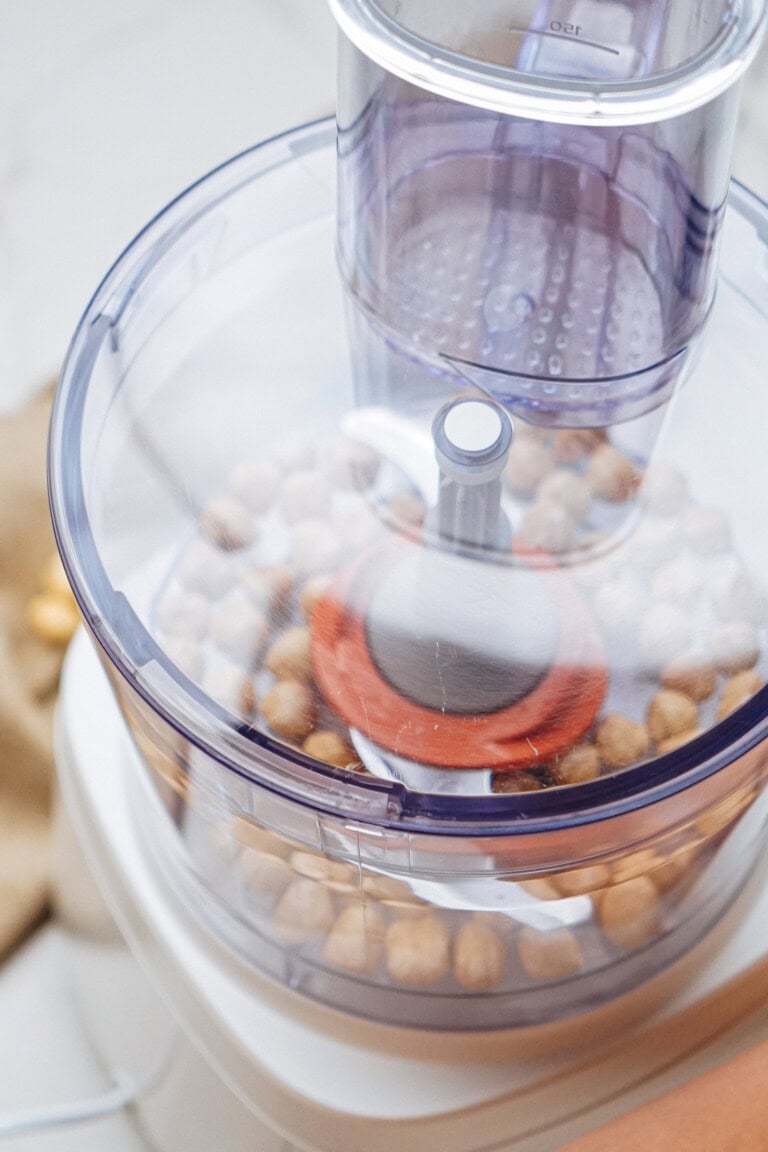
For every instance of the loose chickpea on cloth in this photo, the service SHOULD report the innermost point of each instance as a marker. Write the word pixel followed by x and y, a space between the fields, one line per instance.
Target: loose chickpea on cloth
pixel 29 671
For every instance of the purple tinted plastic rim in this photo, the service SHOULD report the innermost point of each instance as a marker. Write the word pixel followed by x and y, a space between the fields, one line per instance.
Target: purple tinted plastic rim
pixel 454 76
pixel 128 645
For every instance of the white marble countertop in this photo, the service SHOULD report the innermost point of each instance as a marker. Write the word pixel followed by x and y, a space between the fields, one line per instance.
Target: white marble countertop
pixel 106 112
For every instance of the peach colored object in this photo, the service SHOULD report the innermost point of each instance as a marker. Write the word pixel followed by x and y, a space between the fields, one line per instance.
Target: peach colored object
pixel 725 1110
pixel 515 737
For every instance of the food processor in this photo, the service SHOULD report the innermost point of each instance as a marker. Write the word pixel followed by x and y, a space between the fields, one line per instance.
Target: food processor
pixel 404 473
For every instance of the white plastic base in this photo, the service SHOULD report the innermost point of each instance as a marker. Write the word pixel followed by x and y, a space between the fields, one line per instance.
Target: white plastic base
pixel 224 1059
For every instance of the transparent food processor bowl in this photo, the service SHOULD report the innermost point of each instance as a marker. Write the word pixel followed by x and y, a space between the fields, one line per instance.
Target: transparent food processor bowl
pixel 445 719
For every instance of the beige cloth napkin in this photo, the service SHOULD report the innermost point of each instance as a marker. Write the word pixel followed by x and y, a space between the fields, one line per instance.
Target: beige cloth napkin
pixel 29 670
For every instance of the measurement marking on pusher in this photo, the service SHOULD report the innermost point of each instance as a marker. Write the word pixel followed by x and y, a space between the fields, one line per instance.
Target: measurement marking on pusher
pixel 574 34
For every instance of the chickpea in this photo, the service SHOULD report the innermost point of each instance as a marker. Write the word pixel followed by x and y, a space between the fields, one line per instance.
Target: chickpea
pixel 567 489
pixel 735 647
pixel 737 691
pixel 289 657
pixel 260 839
pixel 331 748
pixel 529 461
pixel 664 490
pixel 231 686
pixel 356 941
pixel 418 950
pixel 540 888
pixel 335 874
pixel 227 524
pixel 678 582
pixel 313 591
pixel 265 876
pixel 621 741
pixel 573 444
pixel 578 766
pixel 629 912
pixel 507 783
pixel 581 880
pixel 665 632
pixel 549 526
pixel 239 628
pixel 669 714
pixel 672 870
pixel 385 888
pixel 304 494
pixel 304 913
pixel 552 955
pixel 611 475
pixel 479 957
pixel 412 907
pixel 207 570
pixel 692 676
pixel 653 541
pixel 289 710
pixel 672 743
pixel 634 864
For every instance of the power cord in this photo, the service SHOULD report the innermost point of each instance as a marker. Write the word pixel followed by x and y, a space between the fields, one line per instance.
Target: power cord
pixel 62 1115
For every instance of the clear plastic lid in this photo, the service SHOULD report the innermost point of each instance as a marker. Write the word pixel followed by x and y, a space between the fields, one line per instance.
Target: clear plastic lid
pixel 442 601
pixel 612 61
